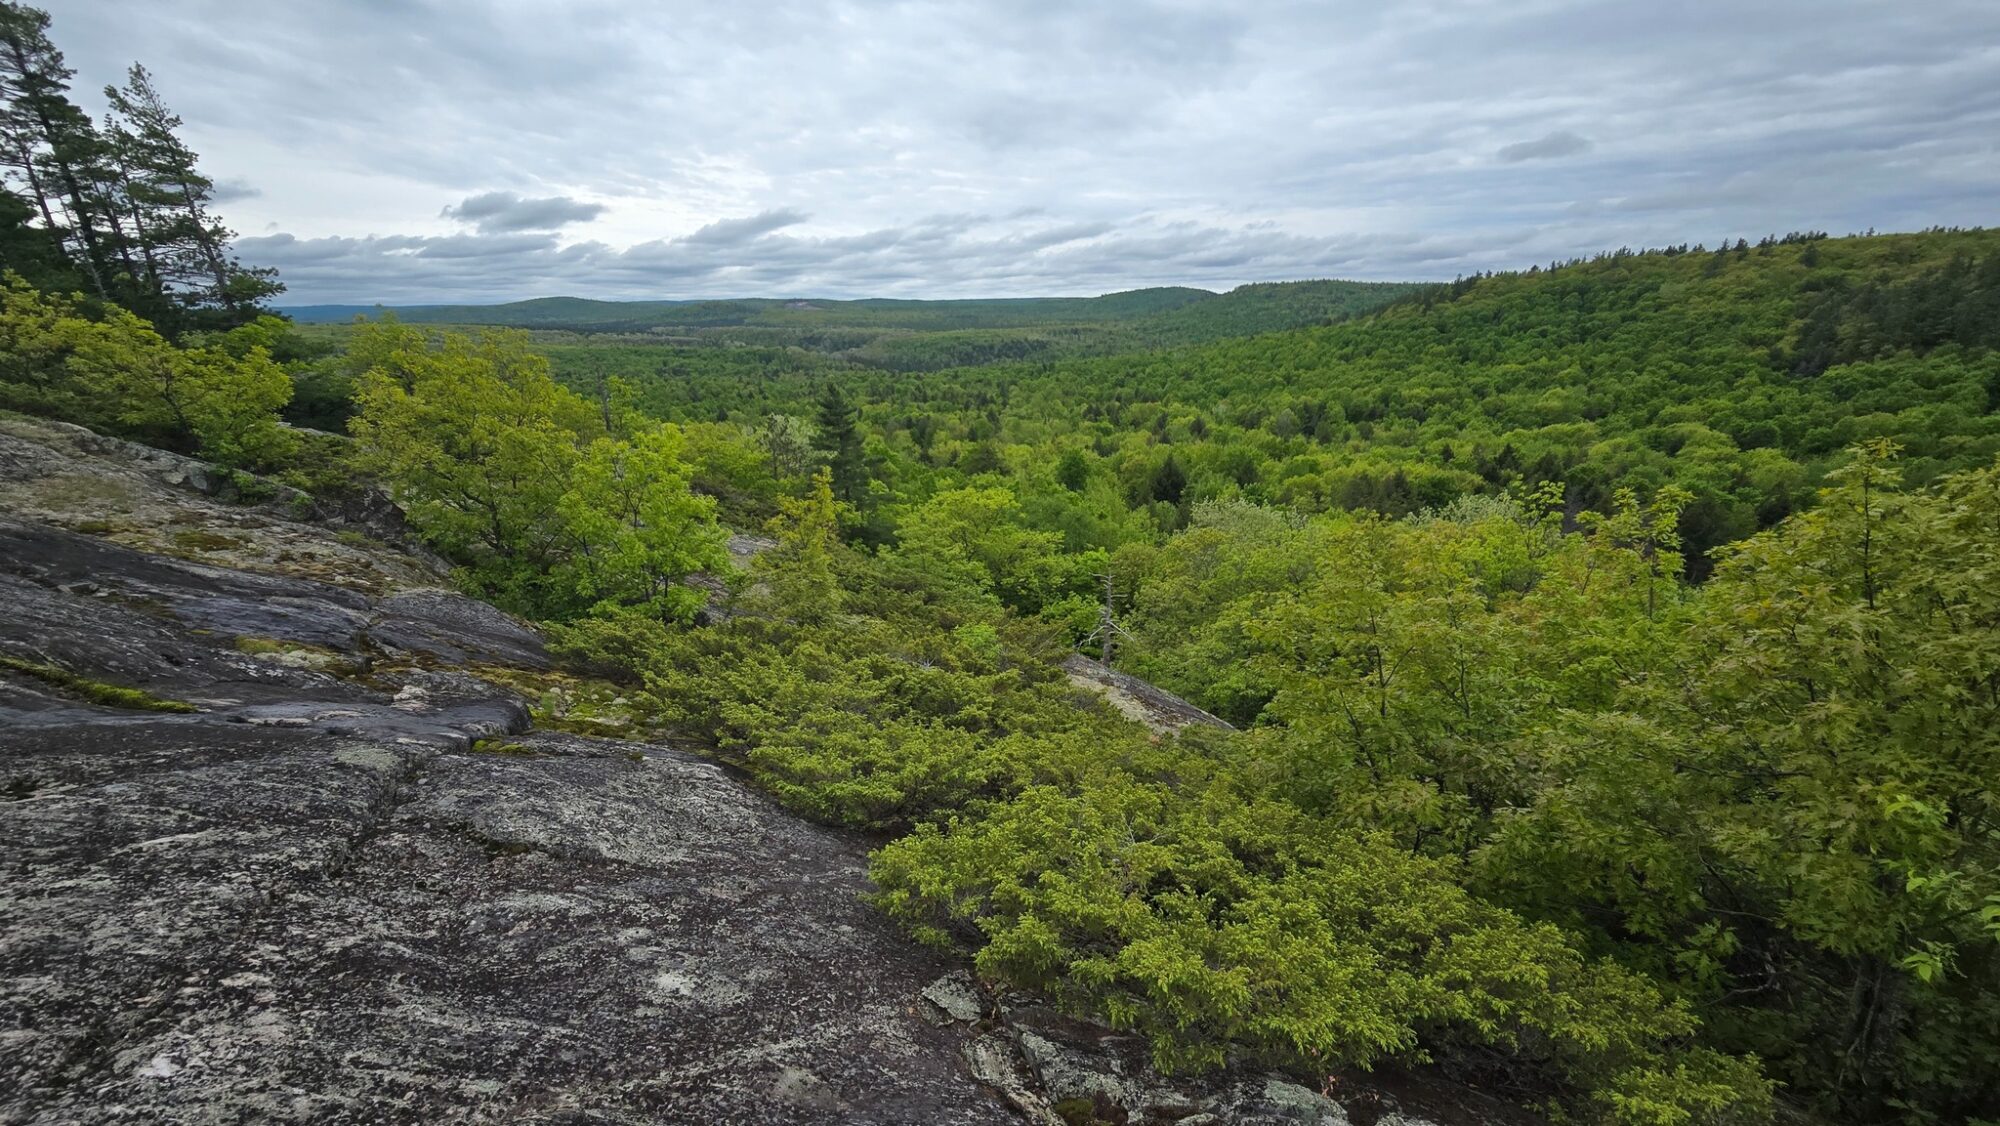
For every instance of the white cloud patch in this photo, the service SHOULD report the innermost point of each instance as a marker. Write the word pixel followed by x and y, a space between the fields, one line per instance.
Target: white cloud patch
pixel 481 150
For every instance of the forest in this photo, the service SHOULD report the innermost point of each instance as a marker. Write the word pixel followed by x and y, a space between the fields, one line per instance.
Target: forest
pixel 1612 646
pixel 628 336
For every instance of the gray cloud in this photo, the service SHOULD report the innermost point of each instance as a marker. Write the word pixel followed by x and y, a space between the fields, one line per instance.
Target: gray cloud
pixel 926 257
pixel 505 211
pixel 231 191
pixel 731 232
pixel 1561 143
pixel 991 148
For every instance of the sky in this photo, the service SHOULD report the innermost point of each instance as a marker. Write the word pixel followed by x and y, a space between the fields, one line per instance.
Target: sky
pixel 404 152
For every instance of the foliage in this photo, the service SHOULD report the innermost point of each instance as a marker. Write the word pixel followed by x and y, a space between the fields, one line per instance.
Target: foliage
pixel 1737 374
pixel 1798 807
pixel 1179 888
pixel 513 476
pixel 221 398
pixel 124 212
pixel 1618 703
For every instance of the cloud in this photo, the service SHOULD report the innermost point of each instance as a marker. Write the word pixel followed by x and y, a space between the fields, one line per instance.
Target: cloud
pixel 996 147
pixel 938 256
pixel 505 211
pixel 232 191
pixel 731 232
pixel 1563 143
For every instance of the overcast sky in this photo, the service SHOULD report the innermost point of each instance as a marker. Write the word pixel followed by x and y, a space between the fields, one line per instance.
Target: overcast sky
pixel 384 150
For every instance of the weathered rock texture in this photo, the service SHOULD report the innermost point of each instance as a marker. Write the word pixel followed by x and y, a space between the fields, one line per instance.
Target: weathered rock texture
pixel 319 901
pixel 69 477
pixel 354 887
pixel 1161 711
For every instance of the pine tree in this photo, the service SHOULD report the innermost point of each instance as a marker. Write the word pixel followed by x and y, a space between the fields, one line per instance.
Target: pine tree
pixel 166 196
pixel 127 204
pixel 35 253
pixel 19 139
pixel 49 139
pixel 839 426
pixel 1169 482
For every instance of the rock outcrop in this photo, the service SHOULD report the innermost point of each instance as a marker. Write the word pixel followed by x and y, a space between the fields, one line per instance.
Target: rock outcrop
pixel 280 847
pixel 69 477
pixel 334 898
pixel 1160 711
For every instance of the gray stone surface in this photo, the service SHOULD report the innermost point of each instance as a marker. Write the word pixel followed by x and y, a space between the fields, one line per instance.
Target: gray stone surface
pixel 954 997
pixel 1056 1069
pixel 62 475
pixel 354 886
pixel 77 600
pixel 215 923
pixel 1160 710
pixel 322 899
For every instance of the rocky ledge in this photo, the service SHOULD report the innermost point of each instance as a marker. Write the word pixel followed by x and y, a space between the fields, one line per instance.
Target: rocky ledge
pixel 284 850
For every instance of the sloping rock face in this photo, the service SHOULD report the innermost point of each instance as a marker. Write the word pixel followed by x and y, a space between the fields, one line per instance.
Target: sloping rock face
pixel 352 886
pixel 1160 711
pixel 66 476
pixel 317 900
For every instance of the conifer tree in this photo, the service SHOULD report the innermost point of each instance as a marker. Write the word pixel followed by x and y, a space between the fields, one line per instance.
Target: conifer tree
pixel 839 425
pixel 127 203
pixel 35 253
pixel 167 199
pixel 48 139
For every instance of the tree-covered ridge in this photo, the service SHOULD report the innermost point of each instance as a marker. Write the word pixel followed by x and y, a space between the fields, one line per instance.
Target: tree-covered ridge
pixel 1279 304
pixel 900 335
pixel 1737 374
pixel 1514 795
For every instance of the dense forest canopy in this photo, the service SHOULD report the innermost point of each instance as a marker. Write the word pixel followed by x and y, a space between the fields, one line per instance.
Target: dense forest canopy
pixel 1613 647
pixel 1738 374
pixel 908 335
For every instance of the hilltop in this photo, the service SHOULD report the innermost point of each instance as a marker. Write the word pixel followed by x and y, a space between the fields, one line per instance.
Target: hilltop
pixel 1579 677
pixel 908 335
pixel 1322 298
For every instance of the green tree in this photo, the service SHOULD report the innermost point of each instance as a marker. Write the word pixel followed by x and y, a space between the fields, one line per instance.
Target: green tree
pixel 981 530
pixel 34 253
pixel 839 427
pixel 51 142
pixel 787 441
pixel 635 529
pixel 475 441
pixel 800 570
pixel 117 372
pixel 167 200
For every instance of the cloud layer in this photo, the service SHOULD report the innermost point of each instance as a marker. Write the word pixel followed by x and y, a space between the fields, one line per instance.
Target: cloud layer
pixel 494 212
pixel 461 150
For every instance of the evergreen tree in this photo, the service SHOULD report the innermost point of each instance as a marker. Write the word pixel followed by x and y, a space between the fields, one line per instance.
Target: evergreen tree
pixel 839 426
pixel 1169 482
pixel 35 253
pixel 49 140
pixel 126 204
pixel 185 247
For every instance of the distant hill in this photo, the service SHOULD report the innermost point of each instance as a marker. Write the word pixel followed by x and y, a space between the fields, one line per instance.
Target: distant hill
pixel 536 313
pixel 1175 314
pixel 585 314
